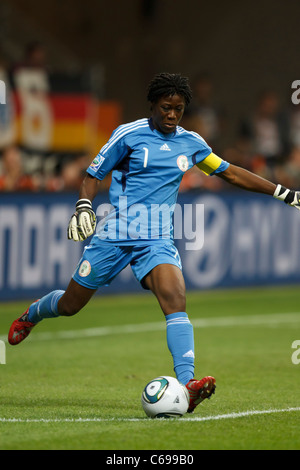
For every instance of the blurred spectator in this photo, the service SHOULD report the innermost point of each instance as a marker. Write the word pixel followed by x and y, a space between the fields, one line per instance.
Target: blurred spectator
pixel 12 177
pixel 35 57
pixel 70 176
pixel 208 120
pixel 7 112
pixel 204 116
pixel 265 134
pixel 31 84
pixel 289 173
pixel 295 126
pixel 31 74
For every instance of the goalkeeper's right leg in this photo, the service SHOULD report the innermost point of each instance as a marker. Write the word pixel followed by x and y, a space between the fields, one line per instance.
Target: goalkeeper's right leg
pixel 56 303
pixel 46 307
pixel 20 329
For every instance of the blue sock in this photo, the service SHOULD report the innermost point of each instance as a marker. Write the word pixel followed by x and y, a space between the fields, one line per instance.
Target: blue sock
pixel 180 339
pixel 46 307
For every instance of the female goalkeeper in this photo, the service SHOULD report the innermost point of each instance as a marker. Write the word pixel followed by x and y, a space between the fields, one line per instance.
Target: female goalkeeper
pixel 147 158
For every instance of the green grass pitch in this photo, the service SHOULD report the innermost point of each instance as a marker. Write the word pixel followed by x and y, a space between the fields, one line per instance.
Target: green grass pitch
pixel 76 383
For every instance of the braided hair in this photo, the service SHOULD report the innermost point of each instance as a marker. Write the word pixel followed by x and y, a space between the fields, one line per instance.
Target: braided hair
pixel 169 84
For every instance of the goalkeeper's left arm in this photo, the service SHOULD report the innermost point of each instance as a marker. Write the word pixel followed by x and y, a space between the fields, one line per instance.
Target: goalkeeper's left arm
pixel 83 222
pixel 251 182
pixel 289 196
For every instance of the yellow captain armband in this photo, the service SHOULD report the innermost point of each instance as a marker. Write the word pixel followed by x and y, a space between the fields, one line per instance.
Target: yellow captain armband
pixel 210 164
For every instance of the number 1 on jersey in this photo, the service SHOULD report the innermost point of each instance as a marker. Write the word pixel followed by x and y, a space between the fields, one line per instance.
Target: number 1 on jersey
pixel 146 156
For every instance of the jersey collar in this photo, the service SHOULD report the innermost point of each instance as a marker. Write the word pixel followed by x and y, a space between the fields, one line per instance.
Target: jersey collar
pixel 165 136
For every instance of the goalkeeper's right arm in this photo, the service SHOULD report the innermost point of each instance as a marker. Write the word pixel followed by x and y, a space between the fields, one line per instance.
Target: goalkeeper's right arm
pixel 83 222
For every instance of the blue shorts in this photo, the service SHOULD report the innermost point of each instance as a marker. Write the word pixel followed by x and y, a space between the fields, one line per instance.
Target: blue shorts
pixel 102 261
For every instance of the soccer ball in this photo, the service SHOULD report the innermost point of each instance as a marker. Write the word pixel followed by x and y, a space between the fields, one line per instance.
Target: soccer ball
pixel 165 397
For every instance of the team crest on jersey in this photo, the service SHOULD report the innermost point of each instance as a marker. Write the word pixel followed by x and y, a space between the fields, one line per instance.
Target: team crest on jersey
pixel 84 269
pixel 182 163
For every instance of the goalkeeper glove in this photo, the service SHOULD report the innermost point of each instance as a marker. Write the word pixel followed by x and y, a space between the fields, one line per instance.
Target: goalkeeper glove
pixel 289 196
pixel 83 222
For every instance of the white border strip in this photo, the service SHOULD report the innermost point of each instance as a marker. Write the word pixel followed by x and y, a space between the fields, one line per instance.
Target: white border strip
pixel 242 414
pixel 269 320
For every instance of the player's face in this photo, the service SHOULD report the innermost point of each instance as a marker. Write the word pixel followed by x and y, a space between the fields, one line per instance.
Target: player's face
pixel 167 112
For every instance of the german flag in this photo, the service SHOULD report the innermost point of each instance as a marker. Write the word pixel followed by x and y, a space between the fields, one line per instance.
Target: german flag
pixel 65 122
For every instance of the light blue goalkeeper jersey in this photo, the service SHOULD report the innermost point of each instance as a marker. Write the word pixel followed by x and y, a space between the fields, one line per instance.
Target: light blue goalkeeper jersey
pixel 147 168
